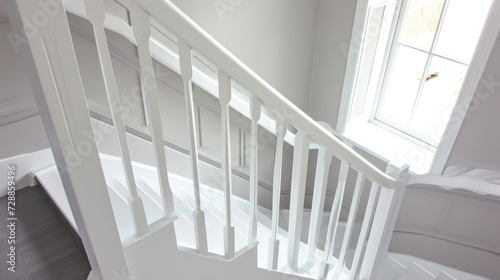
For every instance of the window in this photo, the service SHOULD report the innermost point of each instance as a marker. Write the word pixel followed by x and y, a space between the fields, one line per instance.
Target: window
pixel 431 50
pixel 407 62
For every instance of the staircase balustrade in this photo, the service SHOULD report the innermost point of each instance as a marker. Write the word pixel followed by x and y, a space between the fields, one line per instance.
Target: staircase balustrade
pixel 385 193
pixel 96 15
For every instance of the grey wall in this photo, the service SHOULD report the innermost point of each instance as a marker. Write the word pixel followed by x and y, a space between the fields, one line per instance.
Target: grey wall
pixel 330 61
pixel 16 103
pixel 478 142
pixel 274 38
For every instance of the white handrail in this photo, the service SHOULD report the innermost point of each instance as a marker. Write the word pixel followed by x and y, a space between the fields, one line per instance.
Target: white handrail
pixel 457 182
pixel 172 18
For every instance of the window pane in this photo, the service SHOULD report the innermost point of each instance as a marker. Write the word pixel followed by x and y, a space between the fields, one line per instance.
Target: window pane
pixel 420 23
pixel 438 98
pixel 462 27
pixel 403 85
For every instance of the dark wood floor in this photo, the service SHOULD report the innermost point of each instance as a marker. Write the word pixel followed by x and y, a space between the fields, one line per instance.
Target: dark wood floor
pixel 46 246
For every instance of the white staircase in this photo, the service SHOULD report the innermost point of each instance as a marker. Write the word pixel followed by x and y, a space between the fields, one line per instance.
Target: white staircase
pixel 394 266
pixel 414 271
pixel 490 176
pixel 404 267
pixel 144 222
pixel 213 205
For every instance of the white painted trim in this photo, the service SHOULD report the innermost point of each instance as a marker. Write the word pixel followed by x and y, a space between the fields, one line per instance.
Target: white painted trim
pixel 352 68
pixel 17 108
pixel 405 261
pixel 205 100
pixel 476 69
pixel 55 79
pixel 444 237
pixel 457 182
pixel 386 59
pixel 363 11
pixel 26 167
pixel 93 276
pixel 448 204
pixel 471 82
pixel 50 181
pixel 388 146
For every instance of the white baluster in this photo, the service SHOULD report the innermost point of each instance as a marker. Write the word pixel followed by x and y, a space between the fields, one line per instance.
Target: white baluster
pixel 95 13
pixel 49 54
pixel 370 209
pixel 351 220
pixel 224 99
pixel 142 31
pixel 255 108
pixel 185 59
pixel 389 203
pixel 334 218
pixel 274 245
pixel 298 188
pixel 318 202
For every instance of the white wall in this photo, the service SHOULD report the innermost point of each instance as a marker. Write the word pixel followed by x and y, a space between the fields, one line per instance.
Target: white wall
pixel 23 141
pixel 478 141
pixel 13 78
pixel 274 38
pixel 24 144
pixel 334 34
pixel 22 137
pixel 16 97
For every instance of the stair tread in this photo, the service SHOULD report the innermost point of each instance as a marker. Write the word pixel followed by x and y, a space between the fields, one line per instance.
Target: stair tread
pixel 213 206
pixel 445 276
pixel 416 272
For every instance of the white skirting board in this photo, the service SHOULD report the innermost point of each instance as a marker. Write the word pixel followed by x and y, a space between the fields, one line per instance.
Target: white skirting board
pixel 27 165
pixel 51 182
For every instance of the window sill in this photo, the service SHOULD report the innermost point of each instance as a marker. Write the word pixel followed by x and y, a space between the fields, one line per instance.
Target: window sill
pixel 389 146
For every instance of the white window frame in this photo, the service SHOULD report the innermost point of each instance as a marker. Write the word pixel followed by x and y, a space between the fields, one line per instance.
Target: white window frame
pixel 469 86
